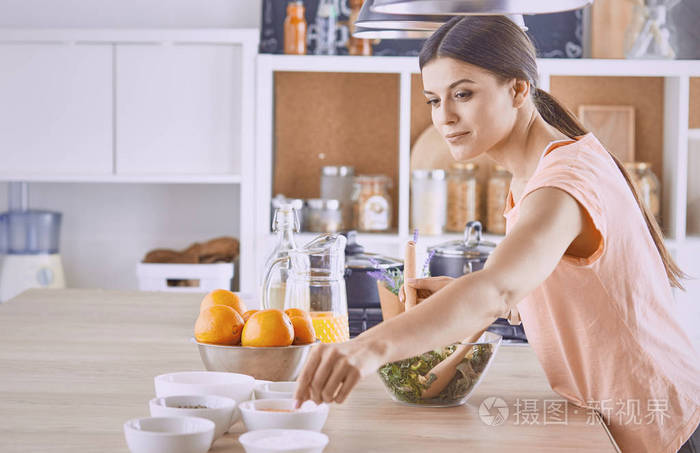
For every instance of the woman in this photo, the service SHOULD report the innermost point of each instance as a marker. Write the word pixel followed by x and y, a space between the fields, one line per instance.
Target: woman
pixel 583 261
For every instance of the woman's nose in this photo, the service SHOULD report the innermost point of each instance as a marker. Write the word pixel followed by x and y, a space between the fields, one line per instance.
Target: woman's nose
pixel 444 114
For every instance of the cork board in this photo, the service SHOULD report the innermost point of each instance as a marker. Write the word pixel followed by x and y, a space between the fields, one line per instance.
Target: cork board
pixel 694 114
pixel 649 116
pixel 420 110
pixel 334 119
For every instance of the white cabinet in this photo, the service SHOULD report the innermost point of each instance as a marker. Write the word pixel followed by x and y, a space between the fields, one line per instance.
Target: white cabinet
pixel 55 109
pixel 178 109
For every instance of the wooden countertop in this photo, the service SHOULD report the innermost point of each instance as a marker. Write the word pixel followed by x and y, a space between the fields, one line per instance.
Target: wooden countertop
pixel 76 364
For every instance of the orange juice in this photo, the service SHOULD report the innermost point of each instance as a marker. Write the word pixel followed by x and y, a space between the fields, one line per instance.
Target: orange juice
pixel 330 327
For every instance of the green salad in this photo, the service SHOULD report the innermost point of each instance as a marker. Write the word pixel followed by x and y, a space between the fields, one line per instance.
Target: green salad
pixel 407 379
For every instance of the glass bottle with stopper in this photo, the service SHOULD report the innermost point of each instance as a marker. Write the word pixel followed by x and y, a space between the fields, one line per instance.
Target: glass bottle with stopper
pixel 285 224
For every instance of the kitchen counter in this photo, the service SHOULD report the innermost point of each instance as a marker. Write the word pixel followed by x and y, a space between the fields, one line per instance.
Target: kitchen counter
pixel 76 364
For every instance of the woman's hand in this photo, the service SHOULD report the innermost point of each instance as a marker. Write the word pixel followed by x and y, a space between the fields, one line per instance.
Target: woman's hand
pixel 333 369
pixel 425 287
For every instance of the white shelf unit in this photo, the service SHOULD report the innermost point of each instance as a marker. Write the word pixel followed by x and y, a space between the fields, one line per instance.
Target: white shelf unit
pixel 675 152
pixel 166 50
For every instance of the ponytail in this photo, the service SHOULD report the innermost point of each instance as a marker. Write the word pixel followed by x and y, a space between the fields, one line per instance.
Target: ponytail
pixel 561 118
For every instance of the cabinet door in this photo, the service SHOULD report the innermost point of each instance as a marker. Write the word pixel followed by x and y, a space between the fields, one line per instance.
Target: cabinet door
pixel 55 109
pixel 178 109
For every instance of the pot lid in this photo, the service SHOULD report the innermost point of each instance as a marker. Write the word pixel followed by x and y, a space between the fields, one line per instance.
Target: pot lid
pixel 472 246
pixel 356 258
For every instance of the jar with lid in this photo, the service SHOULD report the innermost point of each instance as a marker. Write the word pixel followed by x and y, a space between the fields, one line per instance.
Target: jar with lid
pixel 463 196
pixel 337 184
pixel 428 201
pixel 295 29
pixel 497 194
pixel 323 216
pixel 647 185
pixel 372 203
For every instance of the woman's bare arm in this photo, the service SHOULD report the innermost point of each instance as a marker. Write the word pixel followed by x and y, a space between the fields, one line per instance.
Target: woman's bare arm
pixel 550 220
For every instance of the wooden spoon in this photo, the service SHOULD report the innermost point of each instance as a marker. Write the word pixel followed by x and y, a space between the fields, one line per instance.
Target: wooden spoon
pixel 445 370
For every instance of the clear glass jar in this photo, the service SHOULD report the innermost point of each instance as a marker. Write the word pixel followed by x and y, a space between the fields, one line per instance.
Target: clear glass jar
pixel 647 185
pixel 337 184
pixel 428 201
pixel 372 203
pixel 323 216
pixel 497 194
pixel 463 196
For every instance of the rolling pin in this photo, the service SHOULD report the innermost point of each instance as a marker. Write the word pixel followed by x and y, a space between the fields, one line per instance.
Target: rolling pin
pixel 409 271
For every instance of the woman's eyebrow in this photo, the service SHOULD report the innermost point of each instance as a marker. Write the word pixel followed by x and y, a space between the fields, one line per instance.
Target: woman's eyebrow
pixel 452 85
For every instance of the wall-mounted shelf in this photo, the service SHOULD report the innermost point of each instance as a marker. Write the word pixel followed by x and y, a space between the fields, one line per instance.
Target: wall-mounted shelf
pixel 672 144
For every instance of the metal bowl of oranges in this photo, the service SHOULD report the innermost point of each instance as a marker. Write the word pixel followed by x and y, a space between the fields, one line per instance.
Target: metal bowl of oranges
pixel 270 345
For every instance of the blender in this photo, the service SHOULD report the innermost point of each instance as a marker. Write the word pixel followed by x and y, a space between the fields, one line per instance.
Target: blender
pixel 29 246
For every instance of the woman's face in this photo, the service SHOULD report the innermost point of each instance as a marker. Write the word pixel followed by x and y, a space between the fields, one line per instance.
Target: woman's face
pixel 472 108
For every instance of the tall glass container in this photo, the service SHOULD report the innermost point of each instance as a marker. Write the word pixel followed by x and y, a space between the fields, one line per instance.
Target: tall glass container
pixel 499 183
pixel 372 203
pixel 317 284
pixel 337 184
pixel 428 201
pixel 463 196
pixel 285 224
pixel 647 185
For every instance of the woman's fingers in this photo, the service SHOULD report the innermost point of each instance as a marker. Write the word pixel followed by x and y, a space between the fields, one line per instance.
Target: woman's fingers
pixel 351 379
pixel 340 371
pixel 432 284
pixel 323 371
pixel 304 380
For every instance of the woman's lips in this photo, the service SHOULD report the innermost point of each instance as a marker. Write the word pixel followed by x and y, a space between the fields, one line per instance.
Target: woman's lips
pixel 452 138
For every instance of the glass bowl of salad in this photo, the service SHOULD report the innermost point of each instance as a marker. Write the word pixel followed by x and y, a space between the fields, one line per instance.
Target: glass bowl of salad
pixel 443 377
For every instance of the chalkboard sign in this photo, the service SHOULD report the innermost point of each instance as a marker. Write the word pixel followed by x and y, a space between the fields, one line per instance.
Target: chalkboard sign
pixel 558 35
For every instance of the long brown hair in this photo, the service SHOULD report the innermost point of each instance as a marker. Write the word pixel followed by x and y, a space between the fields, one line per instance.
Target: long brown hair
pixel 497 44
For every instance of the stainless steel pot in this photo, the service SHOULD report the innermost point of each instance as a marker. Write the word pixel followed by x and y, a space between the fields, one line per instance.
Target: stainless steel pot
pixel 460 257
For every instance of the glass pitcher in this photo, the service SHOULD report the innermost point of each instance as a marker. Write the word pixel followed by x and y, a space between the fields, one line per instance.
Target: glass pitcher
pixel 316 284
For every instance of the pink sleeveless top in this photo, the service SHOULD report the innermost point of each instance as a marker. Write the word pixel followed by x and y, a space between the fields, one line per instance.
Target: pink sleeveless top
pixel 602 326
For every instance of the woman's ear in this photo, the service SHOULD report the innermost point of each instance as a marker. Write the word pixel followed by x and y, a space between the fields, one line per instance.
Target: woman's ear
pixel 520 91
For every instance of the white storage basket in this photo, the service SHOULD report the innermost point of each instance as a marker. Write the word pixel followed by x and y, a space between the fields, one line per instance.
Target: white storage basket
pixel 154 276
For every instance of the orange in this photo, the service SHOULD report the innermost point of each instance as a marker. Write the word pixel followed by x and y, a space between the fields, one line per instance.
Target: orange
pixel 219 324
pixel 223 297
pixel 268 328
pixel 303 329
pixel 292 312
pixel 248 314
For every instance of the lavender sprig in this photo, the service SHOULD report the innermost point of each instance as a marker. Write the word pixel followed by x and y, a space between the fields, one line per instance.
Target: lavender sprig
pixel 426 265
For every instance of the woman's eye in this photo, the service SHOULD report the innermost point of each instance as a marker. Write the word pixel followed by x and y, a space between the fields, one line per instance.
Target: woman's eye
pixel 463 94
pixel 432 101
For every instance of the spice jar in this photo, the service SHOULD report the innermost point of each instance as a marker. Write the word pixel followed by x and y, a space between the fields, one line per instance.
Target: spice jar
pixel 497 194
pixel 323 216
pixel 647 185
pixel 337 183
pixel 372 203
pixel 428 201
pixel 463 196
pixel 295 29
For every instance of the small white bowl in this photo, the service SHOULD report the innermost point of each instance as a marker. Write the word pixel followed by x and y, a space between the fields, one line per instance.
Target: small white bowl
pixel 238 387
pixel 265 390
pixel 260 414
pixel 219 409
pixel 283 440
pixel 169 434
